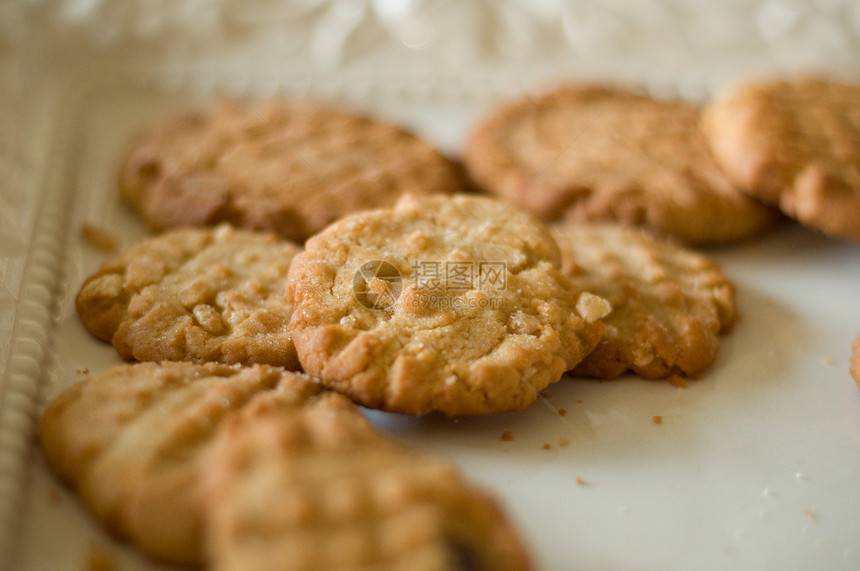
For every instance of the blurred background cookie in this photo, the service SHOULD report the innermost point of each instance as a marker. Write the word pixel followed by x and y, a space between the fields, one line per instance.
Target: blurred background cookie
pixel 584 153
pixel 795 144
pixel 287 166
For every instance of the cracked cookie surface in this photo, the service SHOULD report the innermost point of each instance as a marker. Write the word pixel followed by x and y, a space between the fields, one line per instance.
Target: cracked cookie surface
pixel 599 153
pixel 196 294
pixel 669 304
pixel 465 310
pixel 287 166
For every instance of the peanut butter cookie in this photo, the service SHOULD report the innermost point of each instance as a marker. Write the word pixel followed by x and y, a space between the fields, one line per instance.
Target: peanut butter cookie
pixel 452 304
pixel 669 304
pixel 598 153
pixel 794 144
pixel 287 166
pixel 316 487
pixel 195 294
pixel 132 442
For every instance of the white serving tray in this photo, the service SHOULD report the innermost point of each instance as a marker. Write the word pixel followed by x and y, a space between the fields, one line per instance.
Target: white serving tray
pixel 754 466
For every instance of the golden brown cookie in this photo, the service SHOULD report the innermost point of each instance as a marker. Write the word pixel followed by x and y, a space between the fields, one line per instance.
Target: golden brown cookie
pixel 201 294
pixel 452 304
pixel 669 304
pixel 793 144
pixel 132 442
pixel 855 359
pixel 315 487
pixel 598 153
pixel 287 166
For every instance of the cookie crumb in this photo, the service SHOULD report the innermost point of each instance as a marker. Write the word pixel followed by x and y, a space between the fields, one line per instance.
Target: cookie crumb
pixel 100 558
pixel 563 442
pixel 810 514
pixel 507 436
pixel 581 482
pixel 562 412
pixel 546 394
pixel 678 381
pixel 657 419
pixel 547 446
pixel 83 371
pixel 592 307
pixel 98 238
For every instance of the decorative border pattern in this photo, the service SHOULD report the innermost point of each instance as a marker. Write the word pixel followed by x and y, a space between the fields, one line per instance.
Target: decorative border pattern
pixel 30 263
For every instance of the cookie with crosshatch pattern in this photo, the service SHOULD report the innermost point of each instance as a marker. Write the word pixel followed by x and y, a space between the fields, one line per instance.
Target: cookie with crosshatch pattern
pixel 316 487
pixel 599 153
pixel 460 307
pixel 669 304
pixel 132 442
pixel 290 166
pixel 195 294
pixel 795 144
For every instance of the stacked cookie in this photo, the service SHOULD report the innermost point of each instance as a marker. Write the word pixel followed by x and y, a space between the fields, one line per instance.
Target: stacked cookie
pixel 258 468
pixel 407 296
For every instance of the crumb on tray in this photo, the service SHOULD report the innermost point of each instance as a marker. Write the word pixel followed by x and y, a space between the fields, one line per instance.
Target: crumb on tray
pixel 98 238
